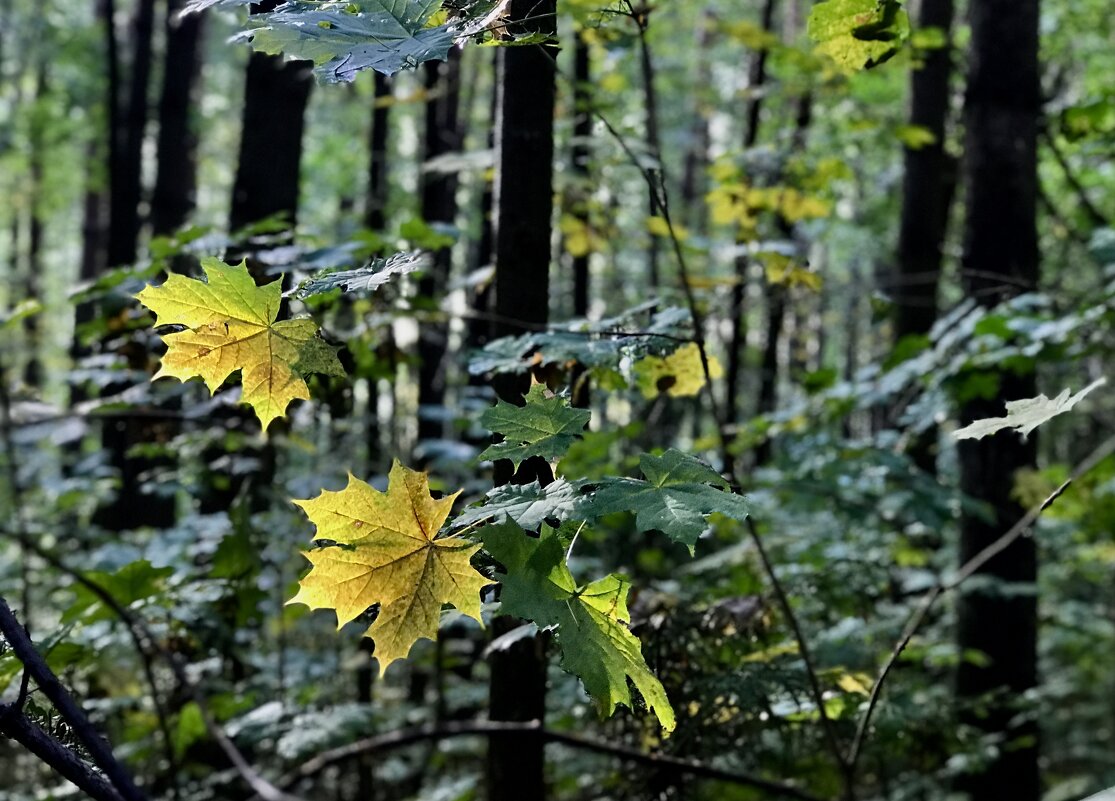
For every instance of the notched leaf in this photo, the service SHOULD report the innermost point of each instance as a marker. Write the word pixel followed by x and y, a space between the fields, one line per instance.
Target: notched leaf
pixel 390 555
pixel 1025 415
pixel 230 325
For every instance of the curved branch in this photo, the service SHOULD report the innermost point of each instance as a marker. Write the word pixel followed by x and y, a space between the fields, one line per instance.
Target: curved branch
pixel 16 726
pixel 966 571
pixel 485 728
pixel 67 707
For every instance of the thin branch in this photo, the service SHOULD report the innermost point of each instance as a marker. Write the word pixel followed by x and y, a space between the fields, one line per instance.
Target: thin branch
pixel 404 737
pixel 966 571
pixel 803 646
pixel 1094 214
pixel 70 711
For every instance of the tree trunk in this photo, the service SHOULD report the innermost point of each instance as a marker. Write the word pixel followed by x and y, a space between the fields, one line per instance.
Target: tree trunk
pixel 775 296
pixel 581 157
pixel 267 185
pixel 32 372
pixel 756 78
pixel 1002 109
pixel 375 218
pixel 525 147
pixel 127 172
pixel 267 174
pixel 174 196
pixel 439 205
pixel 927 192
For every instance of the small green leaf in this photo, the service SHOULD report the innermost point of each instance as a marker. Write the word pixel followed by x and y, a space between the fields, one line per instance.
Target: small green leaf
pixel 679 492
pixel 364 279
pixel 590 622
pixel 858 34
pixel 529 505
pixel 133 582
pixel 544 427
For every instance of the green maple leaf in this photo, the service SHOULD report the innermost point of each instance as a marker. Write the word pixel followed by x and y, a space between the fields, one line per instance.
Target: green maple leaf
pixel 1025 415
pixel 858 34
pixel 230 325
pixel 679 492
pixel 544 427
pixel 590 622
pixel 387 552
pixel 343 38
pixel 529 505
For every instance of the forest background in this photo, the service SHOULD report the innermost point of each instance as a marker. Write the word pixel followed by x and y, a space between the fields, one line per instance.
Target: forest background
pixel 704 308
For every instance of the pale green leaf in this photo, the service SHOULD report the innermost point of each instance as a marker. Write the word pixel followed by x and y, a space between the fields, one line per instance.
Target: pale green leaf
pixel 1025 415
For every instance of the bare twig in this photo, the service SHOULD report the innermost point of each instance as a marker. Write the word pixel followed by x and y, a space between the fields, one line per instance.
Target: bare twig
pixel 484 728
pixel 966 571
pixel 803 646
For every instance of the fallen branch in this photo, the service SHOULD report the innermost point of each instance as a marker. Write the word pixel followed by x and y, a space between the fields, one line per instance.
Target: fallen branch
pixel 486 728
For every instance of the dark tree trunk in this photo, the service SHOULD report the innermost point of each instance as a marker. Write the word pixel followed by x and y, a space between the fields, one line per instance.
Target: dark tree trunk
pixel 174 196
pixel 581 158
pixel 375 218
pixel 775 296
pixel 127 172
pixel 756 78
pixel 653 142
pixel 927 193
pixel 131 507
pixel 267 172
pixel 439 205
pixel 267 185
pixel 375 204
pixel 693 183
pixel 32 372
pixel 525 147
pixel 1002 109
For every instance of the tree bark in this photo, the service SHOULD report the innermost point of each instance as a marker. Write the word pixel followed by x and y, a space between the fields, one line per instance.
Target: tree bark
pixel 267 174
pixel 1002 108
pixel 127 171
pixel 174 196
pixel 524 208
pixel 439 205
pixel 737 343
pixel 927 192
pixel 375 218
pixel 775 296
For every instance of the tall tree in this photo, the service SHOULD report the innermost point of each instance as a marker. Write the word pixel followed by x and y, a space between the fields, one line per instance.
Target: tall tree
pixel 523 209
pixel 1002 108
pixel 131 120
pixel 581 156
pixel 756 78
pixel 375 218
pixel 176 153
pixel 927 190
pixel 439 205
pixel 276 92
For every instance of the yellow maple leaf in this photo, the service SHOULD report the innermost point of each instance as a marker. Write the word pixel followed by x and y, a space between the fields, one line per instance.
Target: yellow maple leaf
pixel 680 374
pixel 388 553
pixel 230 326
